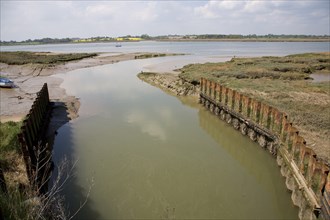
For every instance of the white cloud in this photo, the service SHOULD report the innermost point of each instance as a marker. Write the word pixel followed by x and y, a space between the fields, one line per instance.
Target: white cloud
pixel 148 13
pixel 147 125
pixel 229 5
pixel 258 7
pixel 262 17
pixel 21 20
pixel 100 10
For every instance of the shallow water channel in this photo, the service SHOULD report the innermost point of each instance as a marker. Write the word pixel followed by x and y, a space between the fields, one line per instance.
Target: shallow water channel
pixel 152 155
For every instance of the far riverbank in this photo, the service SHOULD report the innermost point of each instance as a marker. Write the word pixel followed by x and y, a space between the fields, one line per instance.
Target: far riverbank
pixel 29 78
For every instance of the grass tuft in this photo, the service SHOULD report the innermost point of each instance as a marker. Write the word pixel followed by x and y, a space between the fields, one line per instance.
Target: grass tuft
pixel 8 136
pixel 24 57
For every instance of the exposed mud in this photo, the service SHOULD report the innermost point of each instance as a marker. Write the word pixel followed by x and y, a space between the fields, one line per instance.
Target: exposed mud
pixel 170 82
pixel 29 78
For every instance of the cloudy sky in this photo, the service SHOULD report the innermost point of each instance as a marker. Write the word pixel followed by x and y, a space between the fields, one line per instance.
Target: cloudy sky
pixel 22 20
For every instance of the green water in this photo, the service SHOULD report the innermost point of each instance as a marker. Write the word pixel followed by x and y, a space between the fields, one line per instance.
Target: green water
pixel 154 156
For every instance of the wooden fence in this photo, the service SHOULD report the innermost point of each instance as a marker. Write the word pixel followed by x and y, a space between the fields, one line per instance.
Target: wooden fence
pixel 310 173
pixel 3 187
pixel 36 153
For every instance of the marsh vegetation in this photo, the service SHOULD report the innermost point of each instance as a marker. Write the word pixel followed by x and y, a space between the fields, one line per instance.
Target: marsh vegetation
pixel 24 57
pixel 283 82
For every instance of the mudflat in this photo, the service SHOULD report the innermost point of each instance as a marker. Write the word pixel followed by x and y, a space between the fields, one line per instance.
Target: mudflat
pixel 29 78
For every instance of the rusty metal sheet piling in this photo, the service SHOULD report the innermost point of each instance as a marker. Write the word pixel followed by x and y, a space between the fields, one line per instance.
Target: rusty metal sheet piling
pixel 310 174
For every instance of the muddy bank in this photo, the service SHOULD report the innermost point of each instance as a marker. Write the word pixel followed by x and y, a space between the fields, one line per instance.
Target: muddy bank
pixel 170 82
pixel 29 78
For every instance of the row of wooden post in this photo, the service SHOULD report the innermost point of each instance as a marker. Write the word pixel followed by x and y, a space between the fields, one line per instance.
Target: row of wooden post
pixel 3 187
pixel 315 172
pixel 33 132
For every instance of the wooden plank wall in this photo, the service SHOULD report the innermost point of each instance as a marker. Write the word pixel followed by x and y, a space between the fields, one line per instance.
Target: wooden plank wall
pixel 315 172
pixel 32 136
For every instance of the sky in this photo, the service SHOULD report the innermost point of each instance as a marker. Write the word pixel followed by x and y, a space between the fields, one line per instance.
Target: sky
pixel 22 20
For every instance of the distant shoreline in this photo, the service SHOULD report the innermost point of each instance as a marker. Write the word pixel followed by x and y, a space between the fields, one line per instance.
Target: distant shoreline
pixel 250 40
pixel 185 40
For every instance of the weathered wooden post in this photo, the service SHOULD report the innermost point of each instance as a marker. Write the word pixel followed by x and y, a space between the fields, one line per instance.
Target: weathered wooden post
pixel 238 102
pixel 26 154
pixel 266 116
pixel 255 111
pixel 277 122
pixel 233 99
pixel 229 98
pixel 298 144
pixel 32 134
pixel 285 126
pixel 222 95
pixel 292 132
pixel 325 200
pixel 246 102
pixel 218 93
pixel 318 178
pixel 3 186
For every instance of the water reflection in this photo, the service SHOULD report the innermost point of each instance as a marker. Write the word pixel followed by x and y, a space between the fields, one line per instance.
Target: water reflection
pixel 151 127
pixel 152 157
pixel 320 77
pixel 256 161
pixel 74 193
pixel 241 150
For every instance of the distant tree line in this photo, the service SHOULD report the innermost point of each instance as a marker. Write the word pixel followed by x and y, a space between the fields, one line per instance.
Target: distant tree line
pixel 40 41
pixel 166 37
pixel 239 36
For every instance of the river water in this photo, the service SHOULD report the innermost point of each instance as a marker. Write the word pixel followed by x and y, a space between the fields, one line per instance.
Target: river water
pixel 149 155
pixel 154 156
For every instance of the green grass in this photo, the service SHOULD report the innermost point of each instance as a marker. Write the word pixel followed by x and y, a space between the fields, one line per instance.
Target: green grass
pixel 13 205
pixel 151 55
pixel 22 200
pixel 22 57
pixel 293 67
pixel 147 74
pixel 8 136
pixel 8 141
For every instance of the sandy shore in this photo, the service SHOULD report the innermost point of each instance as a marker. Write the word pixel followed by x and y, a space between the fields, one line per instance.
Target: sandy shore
pixel 29 78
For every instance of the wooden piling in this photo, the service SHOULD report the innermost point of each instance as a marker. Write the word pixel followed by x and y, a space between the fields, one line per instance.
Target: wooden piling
pixel 33 133
pixel 310 173
pixel 3 186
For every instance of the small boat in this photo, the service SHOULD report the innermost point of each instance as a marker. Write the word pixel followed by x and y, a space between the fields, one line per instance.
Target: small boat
pixel 6 83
